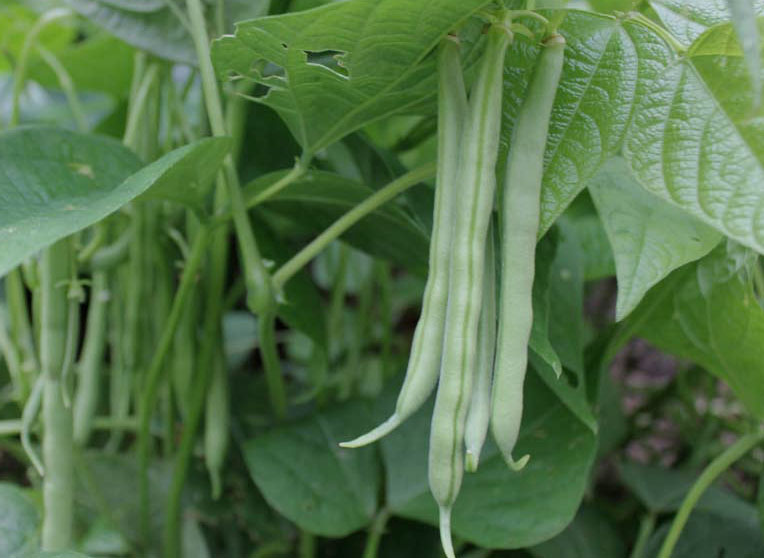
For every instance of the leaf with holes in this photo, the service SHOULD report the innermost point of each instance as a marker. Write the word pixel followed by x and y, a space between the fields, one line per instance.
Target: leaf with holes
pixel 333 69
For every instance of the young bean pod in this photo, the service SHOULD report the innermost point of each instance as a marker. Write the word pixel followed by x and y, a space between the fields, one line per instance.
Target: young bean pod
pixel 520 223
pixel 477 181
pixel 216 424
pixel 91 363
pixel 479 413
pixel 424 362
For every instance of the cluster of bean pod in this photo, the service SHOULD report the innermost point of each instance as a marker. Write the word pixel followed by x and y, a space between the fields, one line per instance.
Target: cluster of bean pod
pixel 479 372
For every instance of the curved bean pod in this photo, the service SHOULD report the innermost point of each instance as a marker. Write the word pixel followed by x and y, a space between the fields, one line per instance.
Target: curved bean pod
pixel 520 223
pixel 479 413
pixel 424 362
pixel 477 182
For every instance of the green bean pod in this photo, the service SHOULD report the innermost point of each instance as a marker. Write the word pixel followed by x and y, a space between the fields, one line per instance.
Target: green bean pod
pixel 424 362
pixel 216 423
pixel 91 364
pixel 477 182
pixel 520 224
pixel 479 413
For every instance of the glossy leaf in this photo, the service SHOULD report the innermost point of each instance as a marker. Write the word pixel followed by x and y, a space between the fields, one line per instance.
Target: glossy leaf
pixel 650 238
pixel 341 66
pixel 688 19
pixel 497 507
pixel 54 182
pixel 707 312
pixel 688 145
pixel 305 475
pixel 18 522
pixel 319 198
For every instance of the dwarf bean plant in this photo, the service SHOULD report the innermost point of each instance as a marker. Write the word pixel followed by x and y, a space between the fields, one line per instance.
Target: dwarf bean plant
pixel 381 278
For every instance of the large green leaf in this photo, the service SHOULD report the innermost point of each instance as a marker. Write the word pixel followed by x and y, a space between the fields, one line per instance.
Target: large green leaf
pixel 158 31
pixel 307 477
pixel 591 535
pixel 18 522
pixel 662 490
pixel 187 172
pixel 604 61
pixel 688 19
pixel 54 182
pixel 342 65
pixel 319 198
pixel 694 145
pixel 650 238
pixel 707 312
pixel 497 507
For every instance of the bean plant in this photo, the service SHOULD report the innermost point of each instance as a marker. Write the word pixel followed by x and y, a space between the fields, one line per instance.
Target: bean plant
pixel 381 278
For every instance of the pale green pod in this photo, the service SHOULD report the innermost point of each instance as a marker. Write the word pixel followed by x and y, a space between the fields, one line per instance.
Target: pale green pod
pixel 477 182
pixel 520 223
pixel 479 414
pixel 424 361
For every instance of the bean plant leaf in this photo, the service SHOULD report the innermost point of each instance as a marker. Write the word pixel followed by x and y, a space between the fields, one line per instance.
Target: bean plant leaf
pixel 18 522
pixel 662 490
pixel 603 64
pixel 713 533
pixel 590 535
pixel 54 182
pixel 338 67
pixel 744 19
pixel 650 238
pixel 187 172
pixel 304 474
pixel 690 143
pixel 499 508
pixel 566 329
pixel 319 198
pixel 688 19
pixel 707 312
pixel 157 31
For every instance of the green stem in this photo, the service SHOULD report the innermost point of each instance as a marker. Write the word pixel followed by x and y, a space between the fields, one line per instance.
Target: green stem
pixel 138 105
pixel 307 548
pixel 646 527
pixel 67 85
pixel 297 171
pixel 272 363
pixel 20 328
pixel 153 376
pixel 709 474
pixel 341 225
pixel 19 75
pixel 13 363
pixel 375 534
pixel 257 278
pixel 57 443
